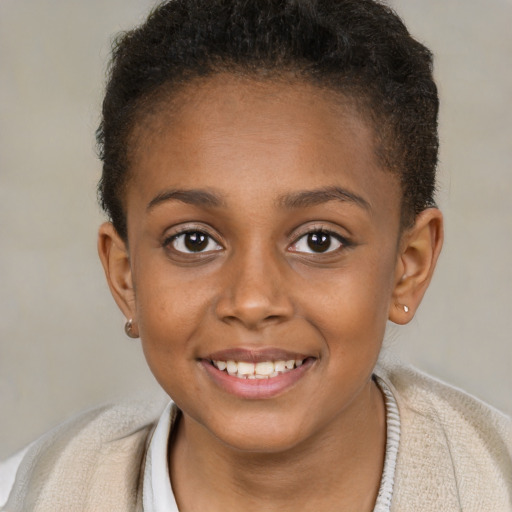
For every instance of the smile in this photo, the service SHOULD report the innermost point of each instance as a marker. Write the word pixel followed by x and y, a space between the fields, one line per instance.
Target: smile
pixel 260 370
pixel 256 374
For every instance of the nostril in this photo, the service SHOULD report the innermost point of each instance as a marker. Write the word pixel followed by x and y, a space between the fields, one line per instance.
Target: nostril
pixel 274 318
pixel 253 318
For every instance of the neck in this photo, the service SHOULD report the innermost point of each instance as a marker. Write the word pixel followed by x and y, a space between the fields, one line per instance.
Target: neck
pixel 339 469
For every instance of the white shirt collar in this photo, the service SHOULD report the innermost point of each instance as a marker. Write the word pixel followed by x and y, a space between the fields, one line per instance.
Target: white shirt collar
pixel 157 495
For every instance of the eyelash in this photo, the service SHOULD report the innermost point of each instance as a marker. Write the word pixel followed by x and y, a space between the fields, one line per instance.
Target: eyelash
pixel 343 242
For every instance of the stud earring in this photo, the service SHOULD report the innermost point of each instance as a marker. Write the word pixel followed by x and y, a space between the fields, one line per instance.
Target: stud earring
pixel 128 329
pixel 406 309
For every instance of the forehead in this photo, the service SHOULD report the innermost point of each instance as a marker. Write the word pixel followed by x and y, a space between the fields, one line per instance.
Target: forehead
pixel 258 137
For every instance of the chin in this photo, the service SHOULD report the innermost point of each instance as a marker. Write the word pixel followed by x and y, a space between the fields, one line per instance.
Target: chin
pixel 269 438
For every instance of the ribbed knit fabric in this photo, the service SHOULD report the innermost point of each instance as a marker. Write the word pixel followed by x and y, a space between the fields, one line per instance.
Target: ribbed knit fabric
pixel 383 503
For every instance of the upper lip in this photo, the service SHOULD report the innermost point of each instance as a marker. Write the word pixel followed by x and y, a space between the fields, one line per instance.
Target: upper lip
pixel 254 355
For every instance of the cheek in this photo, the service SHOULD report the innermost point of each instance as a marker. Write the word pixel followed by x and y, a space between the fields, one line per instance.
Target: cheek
pixel 351 304
pixel 170 310
pixel 167 332
pixel 351 313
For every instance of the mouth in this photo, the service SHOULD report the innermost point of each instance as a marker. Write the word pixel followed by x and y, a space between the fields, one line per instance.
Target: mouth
pixel 256 374
pixel 260 370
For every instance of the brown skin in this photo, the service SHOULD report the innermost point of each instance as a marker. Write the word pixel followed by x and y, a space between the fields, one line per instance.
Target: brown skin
pixel 320 444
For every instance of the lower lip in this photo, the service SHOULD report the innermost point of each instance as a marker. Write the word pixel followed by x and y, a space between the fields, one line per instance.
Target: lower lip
pixel 257 388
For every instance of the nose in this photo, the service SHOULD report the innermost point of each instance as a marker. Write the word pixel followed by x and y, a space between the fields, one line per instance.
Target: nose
pixel 255 292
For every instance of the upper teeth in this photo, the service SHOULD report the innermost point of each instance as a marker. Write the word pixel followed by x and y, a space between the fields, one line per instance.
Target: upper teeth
pixel 262 370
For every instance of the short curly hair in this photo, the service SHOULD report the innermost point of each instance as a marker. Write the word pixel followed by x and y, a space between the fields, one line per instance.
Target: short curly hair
pixel 358 48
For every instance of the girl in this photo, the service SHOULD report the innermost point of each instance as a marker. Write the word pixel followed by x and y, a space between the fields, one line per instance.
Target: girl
pixel 268 173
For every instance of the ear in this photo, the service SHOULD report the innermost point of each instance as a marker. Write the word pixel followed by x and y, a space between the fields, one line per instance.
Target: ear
pixel 115 259
pixel 419 250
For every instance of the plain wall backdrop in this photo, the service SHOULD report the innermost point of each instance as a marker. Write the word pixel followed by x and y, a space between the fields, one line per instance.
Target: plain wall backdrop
pixel 62 346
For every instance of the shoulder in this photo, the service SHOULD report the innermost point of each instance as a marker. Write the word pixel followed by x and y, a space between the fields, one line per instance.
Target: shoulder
pixel 429 397
pixel 454 449
pixel 102 449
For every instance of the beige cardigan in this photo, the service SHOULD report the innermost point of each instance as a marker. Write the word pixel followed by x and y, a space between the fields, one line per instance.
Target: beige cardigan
pixel 455 454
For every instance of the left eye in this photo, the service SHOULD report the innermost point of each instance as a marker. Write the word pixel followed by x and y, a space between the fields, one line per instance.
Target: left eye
pixel 317 242
pixel 194 242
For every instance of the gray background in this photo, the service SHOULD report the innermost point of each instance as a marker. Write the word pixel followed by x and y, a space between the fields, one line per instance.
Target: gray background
pixel 62 346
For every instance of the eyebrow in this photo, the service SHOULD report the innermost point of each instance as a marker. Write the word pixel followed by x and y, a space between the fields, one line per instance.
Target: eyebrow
pixel 308 198
pixel 196 197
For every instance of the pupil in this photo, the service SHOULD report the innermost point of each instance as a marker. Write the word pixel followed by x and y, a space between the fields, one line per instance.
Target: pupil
pixel 196 241
pixel 319 242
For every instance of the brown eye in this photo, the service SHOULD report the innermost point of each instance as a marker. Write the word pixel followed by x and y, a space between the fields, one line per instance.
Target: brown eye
pixel 194 242
pixel 317 242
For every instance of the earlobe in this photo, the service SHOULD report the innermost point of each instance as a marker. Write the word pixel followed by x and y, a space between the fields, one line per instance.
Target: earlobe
pixel 419 251
pixel 114 257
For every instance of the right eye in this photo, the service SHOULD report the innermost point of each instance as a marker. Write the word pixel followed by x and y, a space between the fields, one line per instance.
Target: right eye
pixel 191 242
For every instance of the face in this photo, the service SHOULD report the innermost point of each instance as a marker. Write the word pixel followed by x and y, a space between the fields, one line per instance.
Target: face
pixel 263 249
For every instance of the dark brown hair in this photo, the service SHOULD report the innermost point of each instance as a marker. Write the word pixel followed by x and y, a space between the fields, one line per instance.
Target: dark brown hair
pixel 358 48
